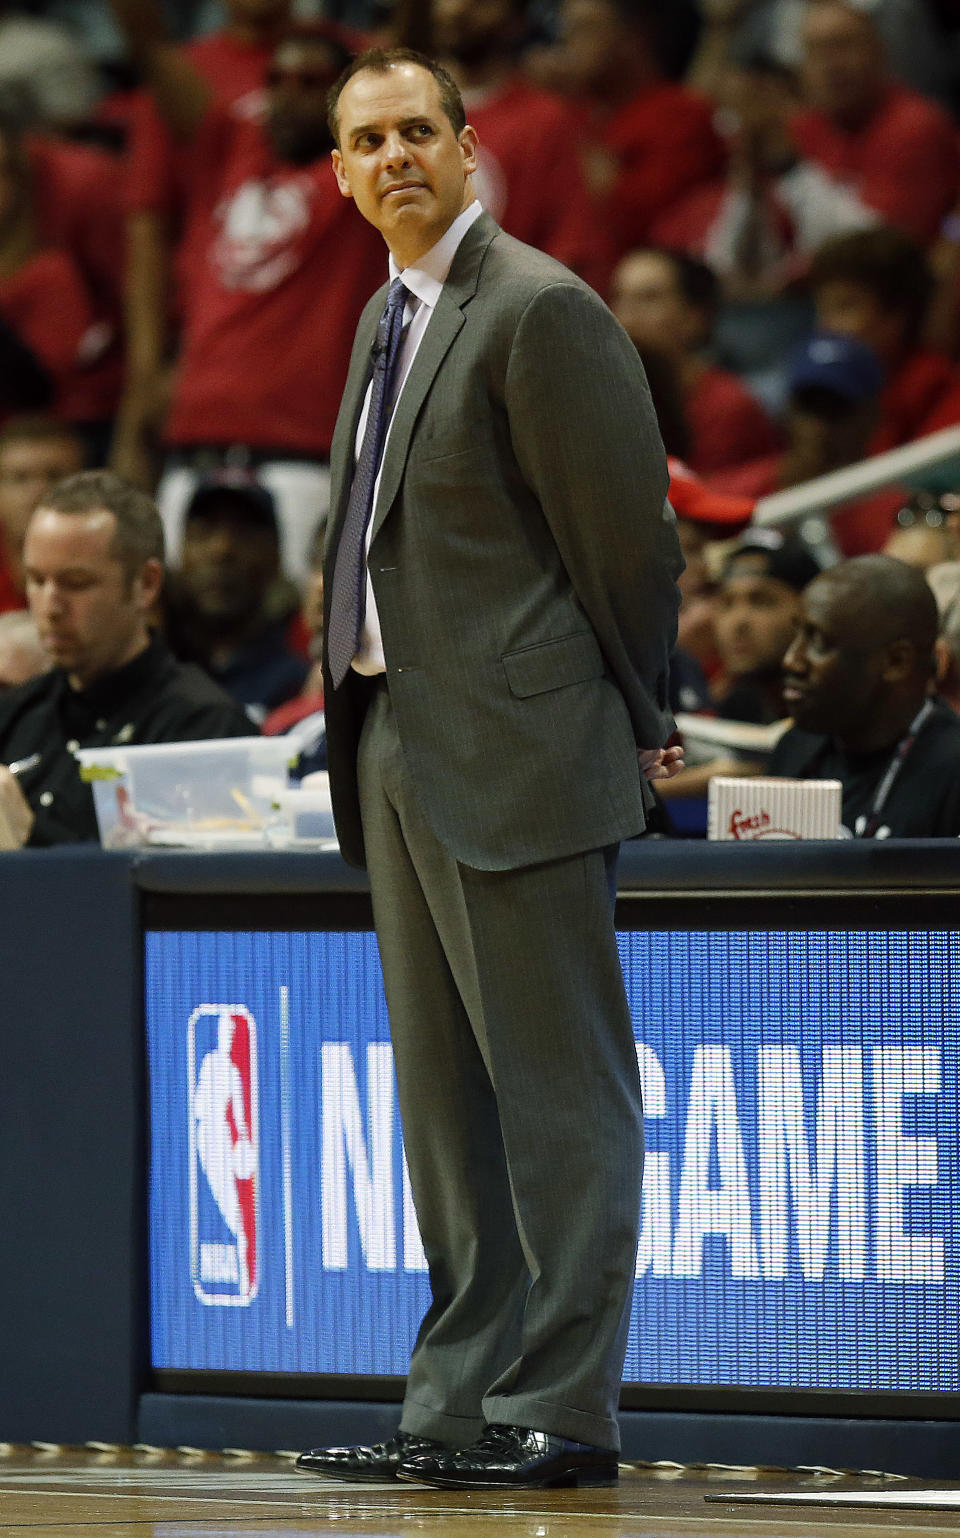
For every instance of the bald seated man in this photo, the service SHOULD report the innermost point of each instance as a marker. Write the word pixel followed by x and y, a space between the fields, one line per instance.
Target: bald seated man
pixel 858 682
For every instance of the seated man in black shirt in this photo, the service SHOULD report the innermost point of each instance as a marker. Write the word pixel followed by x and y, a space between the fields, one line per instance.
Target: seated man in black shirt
pixel 93 560
pixel 857 681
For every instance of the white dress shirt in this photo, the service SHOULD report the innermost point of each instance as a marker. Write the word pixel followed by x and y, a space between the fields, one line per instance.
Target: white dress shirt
pixel 425 282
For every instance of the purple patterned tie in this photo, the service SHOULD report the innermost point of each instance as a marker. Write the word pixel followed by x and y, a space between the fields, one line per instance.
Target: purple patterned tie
pixel 348 592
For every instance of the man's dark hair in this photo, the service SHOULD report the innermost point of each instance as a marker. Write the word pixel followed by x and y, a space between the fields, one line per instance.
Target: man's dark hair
pixel 380 61
pixel 318 33
pixel 39 429
pixel 648 19
pixel 893 601
pixel 885 262
pixel 697 282
pixel 139 534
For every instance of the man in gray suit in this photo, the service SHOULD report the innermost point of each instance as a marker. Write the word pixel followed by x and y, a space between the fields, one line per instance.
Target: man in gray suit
pixel 501 582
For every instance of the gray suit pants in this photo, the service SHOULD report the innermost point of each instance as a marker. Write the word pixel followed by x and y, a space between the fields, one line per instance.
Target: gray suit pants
pixel 520 1098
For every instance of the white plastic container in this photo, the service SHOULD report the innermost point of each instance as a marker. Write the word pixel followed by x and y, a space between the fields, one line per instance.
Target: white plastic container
pixel 308 813
pixel 218 794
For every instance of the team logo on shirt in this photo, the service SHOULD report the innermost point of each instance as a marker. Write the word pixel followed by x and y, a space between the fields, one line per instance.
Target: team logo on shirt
pixel 224 1154
pixel 261 228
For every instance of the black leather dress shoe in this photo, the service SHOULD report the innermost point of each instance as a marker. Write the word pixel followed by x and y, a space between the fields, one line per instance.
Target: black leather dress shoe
pixel 362 1464
pixel 513 1458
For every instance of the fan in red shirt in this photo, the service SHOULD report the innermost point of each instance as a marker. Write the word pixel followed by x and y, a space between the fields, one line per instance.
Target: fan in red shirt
pixel 898 151
pixel 76 207
pixel 876 285
pixel 233 63
pixel 270 312
pixel 835 389
pixel 528 179
pixel 667 302
pixel 45 307
pixel 650 140
pixel 759 224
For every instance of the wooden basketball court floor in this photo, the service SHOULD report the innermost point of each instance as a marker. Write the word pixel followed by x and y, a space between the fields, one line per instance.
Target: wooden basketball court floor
pixel 102 1492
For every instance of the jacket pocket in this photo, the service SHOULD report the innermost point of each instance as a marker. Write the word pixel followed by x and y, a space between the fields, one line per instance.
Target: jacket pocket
pixel 573 659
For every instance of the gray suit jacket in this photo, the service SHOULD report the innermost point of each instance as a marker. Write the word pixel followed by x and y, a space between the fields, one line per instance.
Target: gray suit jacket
pixel 524 563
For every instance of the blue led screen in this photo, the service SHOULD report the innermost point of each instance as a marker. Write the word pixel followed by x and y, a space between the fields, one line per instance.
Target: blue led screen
pixel 802 1181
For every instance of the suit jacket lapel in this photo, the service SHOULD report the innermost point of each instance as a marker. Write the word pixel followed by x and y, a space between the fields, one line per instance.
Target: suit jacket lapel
pixel 446 321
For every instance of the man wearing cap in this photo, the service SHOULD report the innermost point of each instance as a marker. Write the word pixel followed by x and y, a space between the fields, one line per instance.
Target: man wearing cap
pixel 229 609
pixel 93 560
pixel 835 386
pixel 756 610
pixel 703 515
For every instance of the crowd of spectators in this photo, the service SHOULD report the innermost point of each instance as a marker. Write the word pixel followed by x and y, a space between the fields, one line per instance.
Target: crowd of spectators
pixel 767 193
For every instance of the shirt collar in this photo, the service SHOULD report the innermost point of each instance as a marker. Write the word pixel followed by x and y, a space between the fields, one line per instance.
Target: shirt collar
pixel 122 687
pixel 426 279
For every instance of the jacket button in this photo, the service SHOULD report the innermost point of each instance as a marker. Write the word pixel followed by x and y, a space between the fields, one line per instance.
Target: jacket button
pixel 47 798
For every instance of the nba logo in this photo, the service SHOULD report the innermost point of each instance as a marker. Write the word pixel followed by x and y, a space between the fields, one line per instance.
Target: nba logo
pixel 224 1154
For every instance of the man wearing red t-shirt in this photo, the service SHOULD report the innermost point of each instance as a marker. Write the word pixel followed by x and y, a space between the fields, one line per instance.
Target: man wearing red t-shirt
pixel 652 140
pixel 526 178
pixel 895 149
pixel 666 302
pixel 77 208
pixel 270 311
pixel 233 62
pixel 46 309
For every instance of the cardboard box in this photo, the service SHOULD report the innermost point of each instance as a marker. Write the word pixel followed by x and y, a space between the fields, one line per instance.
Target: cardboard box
pixel 756 808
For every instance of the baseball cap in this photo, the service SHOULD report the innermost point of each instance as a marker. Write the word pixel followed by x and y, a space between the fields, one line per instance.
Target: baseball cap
pixel 841 364
pixel 690 497
pixel 249 496
pixel 785 557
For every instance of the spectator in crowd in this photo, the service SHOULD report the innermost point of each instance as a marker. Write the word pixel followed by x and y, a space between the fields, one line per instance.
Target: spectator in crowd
pixel 755 614
pixel 651 139
pixel 48 63
pixel 857 680
pixel 835 384
pixel 944 581
pixel 919 37
pixel 703 515
pixel 895 149
pixel 920 544
pixel 46 312
pixel 754 610
pixel 35 453
pixel 759 224
pixel 74 207
pixel 22 656
pixel 667 302
pixel 527 177
pixel 310 699
pixel 233 62
pixel 222 607
pixel 94 562
pixel 272 301
pixel 876 285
